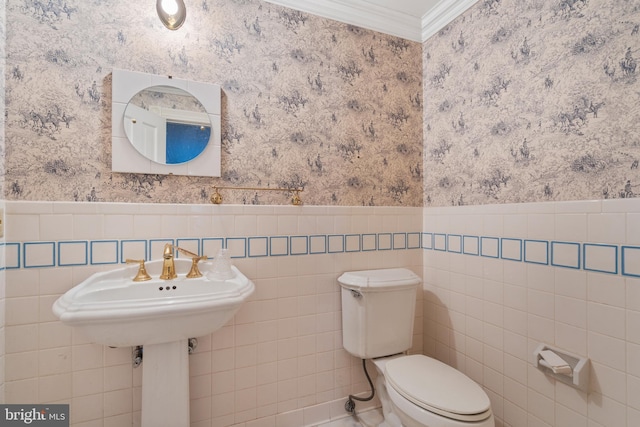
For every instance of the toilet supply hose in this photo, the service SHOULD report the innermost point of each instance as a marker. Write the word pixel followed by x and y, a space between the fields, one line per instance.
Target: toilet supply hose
pixel 350 405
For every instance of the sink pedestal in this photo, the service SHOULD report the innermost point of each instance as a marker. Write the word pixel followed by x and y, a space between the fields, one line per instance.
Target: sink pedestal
pixel 165 385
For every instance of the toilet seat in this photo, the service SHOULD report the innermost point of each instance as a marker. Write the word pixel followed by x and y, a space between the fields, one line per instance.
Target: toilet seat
pixel 438 388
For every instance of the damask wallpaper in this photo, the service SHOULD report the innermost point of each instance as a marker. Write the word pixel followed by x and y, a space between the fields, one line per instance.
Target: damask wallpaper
pixel 529 101
pixel 307 102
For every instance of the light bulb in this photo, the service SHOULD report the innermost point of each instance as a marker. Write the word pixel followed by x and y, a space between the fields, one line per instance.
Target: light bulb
pixel 170 6
pixel 172 13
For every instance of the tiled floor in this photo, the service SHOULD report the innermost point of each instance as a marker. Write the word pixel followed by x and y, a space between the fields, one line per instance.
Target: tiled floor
pixel 370 418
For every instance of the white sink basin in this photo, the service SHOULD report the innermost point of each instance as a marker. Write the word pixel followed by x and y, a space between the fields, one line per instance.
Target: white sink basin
pixel 109 308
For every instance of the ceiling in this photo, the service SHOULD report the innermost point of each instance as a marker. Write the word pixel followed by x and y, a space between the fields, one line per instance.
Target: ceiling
pixel 415 20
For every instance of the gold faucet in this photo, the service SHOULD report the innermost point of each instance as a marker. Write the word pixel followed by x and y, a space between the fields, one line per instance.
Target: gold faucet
pixel 195 272
pixel 142 274
pixel 168 266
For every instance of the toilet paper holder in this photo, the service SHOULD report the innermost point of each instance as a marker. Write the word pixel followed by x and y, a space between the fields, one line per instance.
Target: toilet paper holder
pixel 555 365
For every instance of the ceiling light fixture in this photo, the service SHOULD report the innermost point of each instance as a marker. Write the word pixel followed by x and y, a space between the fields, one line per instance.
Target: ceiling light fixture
pixel 172 13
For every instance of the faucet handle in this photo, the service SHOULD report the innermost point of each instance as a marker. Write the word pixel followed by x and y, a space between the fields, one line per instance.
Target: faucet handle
pixel 142 274
pixel 195 272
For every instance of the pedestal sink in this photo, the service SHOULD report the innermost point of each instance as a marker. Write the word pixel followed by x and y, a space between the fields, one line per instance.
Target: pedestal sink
pixel 109 308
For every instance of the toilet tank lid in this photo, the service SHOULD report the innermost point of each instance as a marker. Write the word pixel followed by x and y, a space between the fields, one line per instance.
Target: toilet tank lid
pixel 379 279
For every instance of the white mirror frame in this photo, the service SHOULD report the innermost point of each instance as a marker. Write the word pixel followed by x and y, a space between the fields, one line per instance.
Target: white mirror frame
pixel 125 157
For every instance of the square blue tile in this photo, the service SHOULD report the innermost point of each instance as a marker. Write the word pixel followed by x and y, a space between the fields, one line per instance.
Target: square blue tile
pixel 454 243
pixel 439 242
pixel 631 261
pixel 237 246
pixel 318 244
pixel 258 247
pixel 299 245
pixel 39 254
pixel 135 249
pixel 369 242
pixel 600 258
pixel 427 240
pixel 536 251
pixel 211 246
pixel 565 254
pixel 385 241
pixel 471 245
pixel 399 241
pixel 352 243
pixel 490 247
pixel 413 240
pixel 279 246
pixel 511 249
pixel 73 253
pixel 336 243
pixel 12 255
pixel 103 252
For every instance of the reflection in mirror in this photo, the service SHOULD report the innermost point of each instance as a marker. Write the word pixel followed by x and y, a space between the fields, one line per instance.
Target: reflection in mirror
pixel 167 125
pixel 185 111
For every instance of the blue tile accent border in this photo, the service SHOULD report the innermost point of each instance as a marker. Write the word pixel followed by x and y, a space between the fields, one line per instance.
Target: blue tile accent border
pixel 12 262
pixel 335 243
pixel 490 247
pixel 258 247
pixel 454 243
pixel 440 242
pixel 413 240
pixel 299 245
pixel 556 260
pixel 385 241
pixel 136 249
pixel 3 256
pixel 369 242
pixel 427 240
pixel 110 252
pixel 211 246
pixel 352 243
pixel 318 244
pixel 471 245
pixel 399 241
pixel 237 246
pixel 278 246
pixel 600 265
pixel 602 258
pixel 36 254
pixel 511 249
pixel 72 253
pixel 631 269
pixel 531 246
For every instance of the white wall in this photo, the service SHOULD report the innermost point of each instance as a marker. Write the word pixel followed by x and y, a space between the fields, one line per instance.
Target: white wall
pixel 280 361
pixel 561 273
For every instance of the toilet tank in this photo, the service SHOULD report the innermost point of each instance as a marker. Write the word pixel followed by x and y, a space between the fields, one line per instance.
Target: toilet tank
pixel 378 308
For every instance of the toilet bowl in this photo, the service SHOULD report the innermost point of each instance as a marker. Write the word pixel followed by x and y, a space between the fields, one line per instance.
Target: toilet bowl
pixel 378 308
pixel 418 391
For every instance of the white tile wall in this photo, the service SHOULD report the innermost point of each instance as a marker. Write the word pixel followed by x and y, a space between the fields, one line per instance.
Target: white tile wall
pixel 582 295
pixel 498 279
pixel 280 361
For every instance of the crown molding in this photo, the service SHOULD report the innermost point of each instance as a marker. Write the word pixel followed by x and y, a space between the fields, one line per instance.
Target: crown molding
pixel 361 14
pixel 442 14
pixel 367 15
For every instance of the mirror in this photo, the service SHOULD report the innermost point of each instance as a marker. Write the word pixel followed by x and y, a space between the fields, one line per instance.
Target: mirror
pixel 163 125
pixel 167 125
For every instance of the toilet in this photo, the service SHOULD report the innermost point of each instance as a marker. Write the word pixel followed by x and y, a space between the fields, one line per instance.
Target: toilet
pixel 378 308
